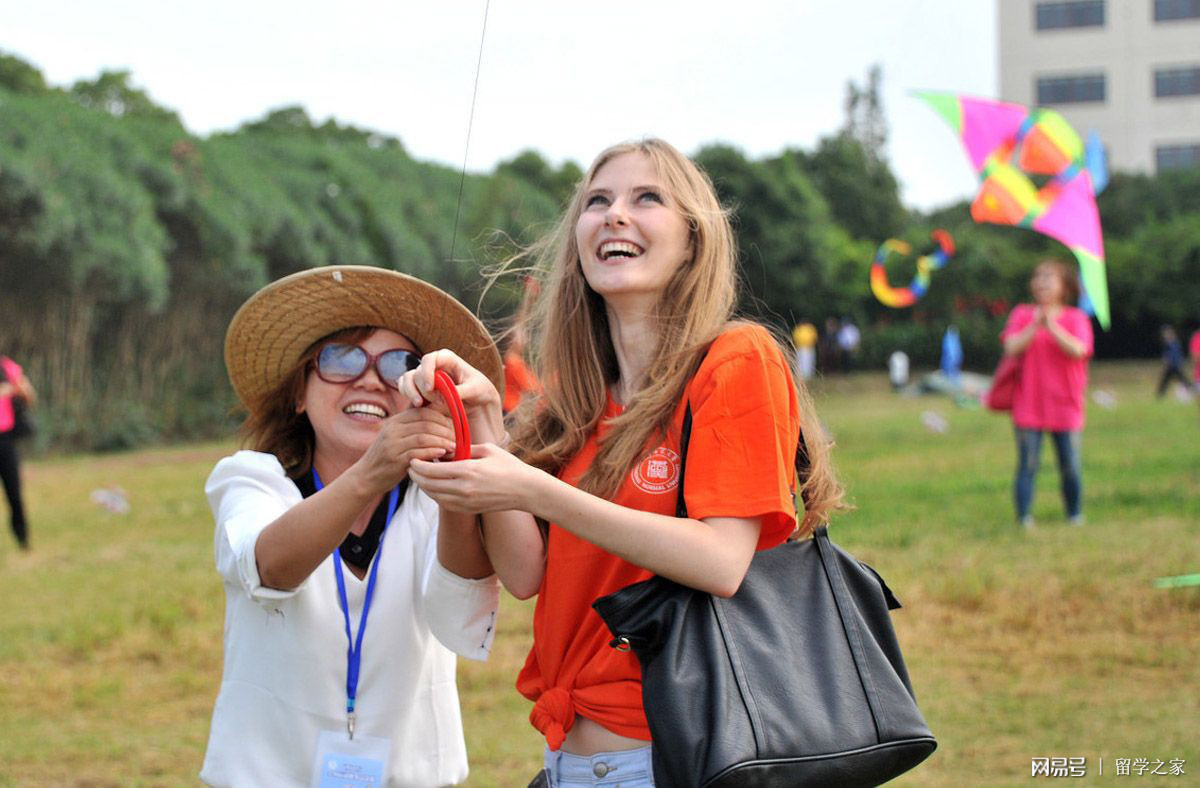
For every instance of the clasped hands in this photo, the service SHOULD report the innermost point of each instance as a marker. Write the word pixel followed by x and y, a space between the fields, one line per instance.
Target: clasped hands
pixel 1046 316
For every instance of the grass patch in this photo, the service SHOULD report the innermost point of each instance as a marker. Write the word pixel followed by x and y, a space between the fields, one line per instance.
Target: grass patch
pixel 1019 645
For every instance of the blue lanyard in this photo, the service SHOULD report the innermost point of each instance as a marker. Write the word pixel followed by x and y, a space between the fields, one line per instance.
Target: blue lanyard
pixel 354 645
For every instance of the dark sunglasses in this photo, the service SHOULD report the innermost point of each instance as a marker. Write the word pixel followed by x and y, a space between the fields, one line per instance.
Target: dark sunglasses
pixel 342 363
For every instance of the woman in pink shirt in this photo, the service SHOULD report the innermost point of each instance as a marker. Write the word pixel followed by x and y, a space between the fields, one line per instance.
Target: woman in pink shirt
pixel 1194 352
pixel 1054 341
pixel 13 383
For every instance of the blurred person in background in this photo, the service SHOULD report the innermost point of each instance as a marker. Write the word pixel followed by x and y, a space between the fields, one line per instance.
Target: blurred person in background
pixel 1194 352
pixel 829 349
pixel 1053 339
pixel 1172 358
pixel 519 381
pixel 804 338
pixel 898 369
pixel 15 392
pixel 848 340
pixel 952 355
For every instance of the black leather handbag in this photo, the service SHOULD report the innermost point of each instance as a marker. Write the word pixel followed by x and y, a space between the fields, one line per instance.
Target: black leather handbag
pixel 795 680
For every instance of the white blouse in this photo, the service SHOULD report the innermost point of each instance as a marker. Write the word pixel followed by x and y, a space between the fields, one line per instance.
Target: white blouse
pixel 285 651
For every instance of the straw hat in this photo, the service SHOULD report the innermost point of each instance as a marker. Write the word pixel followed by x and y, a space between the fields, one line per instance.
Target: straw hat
pixel 278 323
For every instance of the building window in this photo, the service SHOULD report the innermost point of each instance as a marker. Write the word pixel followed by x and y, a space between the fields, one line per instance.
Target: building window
pixel 1069 13
pixel 1177 81
pixel 1168 10
pixel 1070 90
pixel 1176 157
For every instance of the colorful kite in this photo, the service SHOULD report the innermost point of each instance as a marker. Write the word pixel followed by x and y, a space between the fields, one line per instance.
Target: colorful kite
pixel 1008 142
pixel 907 296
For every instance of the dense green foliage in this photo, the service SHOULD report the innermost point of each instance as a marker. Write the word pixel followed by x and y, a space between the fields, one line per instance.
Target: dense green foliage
pixel 126 243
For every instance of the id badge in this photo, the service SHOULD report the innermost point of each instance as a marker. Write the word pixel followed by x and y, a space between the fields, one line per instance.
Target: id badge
pixel 342 762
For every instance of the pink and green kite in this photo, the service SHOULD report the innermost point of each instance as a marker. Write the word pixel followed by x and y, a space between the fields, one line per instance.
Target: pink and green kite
pixel 1008 142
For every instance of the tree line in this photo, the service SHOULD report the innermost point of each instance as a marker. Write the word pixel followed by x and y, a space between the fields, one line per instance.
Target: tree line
pixel 127 242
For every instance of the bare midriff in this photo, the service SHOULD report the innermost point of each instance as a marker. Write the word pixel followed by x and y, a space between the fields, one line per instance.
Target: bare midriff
pixel 588 738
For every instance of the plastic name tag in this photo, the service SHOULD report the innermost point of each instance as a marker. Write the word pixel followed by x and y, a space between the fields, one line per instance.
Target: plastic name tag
pixel 342 762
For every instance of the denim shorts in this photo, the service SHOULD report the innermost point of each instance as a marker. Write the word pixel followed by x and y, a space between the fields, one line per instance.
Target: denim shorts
pixel 621 769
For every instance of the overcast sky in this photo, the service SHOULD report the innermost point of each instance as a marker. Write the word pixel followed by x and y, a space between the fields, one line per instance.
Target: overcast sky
pixel 566 78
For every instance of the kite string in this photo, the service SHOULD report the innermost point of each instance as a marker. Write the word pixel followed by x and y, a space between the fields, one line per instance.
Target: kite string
pixel 470 120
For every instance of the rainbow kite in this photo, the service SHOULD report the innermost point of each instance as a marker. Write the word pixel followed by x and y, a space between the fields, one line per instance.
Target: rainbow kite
pixel 1008 142
pixel 907 296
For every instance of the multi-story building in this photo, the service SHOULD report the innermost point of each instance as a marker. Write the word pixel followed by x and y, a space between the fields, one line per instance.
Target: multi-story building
pixel 1127 69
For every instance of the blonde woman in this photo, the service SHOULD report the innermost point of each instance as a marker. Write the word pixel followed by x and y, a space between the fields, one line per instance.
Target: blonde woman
pixel 633 325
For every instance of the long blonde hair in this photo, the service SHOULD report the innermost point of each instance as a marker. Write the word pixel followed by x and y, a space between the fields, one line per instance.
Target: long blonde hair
pixel 573 355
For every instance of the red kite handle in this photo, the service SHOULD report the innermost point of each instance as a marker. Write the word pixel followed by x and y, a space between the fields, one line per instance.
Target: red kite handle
pixel 458 415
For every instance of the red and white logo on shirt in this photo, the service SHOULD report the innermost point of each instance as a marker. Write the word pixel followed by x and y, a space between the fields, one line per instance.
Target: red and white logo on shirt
pixel 658 473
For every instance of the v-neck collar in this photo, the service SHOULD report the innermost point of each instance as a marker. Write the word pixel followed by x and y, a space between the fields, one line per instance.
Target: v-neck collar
pixel 358 550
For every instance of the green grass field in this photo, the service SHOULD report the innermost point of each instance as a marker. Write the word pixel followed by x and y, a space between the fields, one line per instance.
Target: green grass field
pixel 1051 643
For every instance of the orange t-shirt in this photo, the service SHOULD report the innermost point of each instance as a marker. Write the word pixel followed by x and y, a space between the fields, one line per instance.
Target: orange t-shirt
pixel 518 381
pixel 741 463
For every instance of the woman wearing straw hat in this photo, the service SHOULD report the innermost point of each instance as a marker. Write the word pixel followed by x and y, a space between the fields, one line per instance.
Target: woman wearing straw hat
pixel 317 528
pixel 634 326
